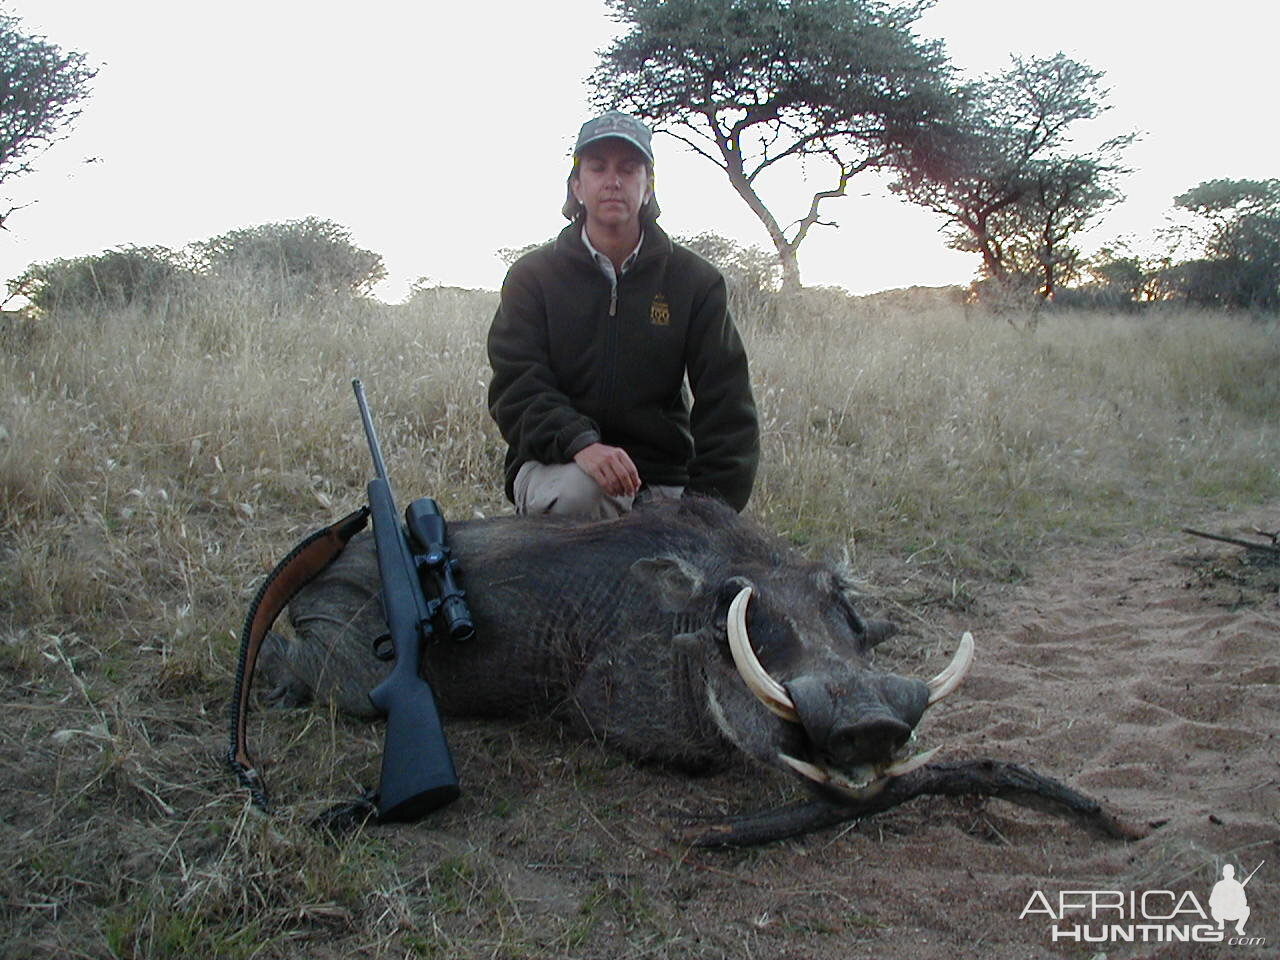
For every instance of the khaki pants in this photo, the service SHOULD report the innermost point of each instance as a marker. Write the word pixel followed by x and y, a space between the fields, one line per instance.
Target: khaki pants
pixel 565 490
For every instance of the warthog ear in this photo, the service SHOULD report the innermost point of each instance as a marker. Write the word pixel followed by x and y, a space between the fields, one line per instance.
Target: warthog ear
pixel 675 583
pixel 878 631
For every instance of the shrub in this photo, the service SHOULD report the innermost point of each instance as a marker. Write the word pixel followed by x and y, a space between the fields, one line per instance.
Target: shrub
pixel 127 276
pixel 292 262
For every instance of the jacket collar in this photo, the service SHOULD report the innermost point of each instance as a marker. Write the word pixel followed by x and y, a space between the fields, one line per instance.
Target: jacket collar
pixel 656 244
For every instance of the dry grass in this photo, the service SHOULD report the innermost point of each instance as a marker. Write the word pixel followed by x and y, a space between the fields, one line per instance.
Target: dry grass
pixel 983 443
pixel 152 468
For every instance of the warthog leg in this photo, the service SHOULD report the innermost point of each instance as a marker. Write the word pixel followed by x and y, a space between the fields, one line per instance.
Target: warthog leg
pixel 965 778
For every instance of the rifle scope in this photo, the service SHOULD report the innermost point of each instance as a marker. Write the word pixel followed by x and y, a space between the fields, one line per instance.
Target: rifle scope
pixel 427 529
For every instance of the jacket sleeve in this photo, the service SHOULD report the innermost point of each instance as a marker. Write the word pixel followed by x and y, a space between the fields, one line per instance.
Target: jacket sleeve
pixel 533 414
pixel 726 430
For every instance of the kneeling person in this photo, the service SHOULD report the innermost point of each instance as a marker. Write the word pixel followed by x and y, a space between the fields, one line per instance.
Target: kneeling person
pixel 592 342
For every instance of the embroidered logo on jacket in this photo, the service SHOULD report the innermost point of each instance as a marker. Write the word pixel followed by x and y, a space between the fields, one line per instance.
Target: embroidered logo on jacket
pixel 660 312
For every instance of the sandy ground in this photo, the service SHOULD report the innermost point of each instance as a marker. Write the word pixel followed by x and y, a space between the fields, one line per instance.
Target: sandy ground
pixel 1147 676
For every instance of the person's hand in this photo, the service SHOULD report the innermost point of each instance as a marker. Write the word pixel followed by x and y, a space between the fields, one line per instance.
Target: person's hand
pixel 611 467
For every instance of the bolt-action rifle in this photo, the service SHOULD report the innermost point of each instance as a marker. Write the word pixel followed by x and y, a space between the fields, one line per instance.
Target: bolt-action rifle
pixel 417 769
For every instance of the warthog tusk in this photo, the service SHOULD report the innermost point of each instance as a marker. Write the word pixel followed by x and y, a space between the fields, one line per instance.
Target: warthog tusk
pixel 768 690
pixel 909 764
pixel 945 682
pixel 805 769
pixel 861 782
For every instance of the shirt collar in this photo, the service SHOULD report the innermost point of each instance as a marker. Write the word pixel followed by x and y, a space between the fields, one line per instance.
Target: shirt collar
pixel 604 262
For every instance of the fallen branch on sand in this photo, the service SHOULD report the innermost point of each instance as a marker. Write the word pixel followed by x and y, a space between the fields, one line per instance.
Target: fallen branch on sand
pixel 972 778
pixel 1270 549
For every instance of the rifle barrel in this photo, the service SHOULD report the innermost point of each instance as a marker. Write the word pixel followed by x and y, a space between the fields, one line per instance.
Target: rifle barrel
pixel 379 466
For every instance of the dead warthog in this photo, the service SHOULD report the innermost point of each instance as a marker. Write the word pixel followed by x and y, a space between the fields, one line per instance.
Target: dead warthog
pixel 680 633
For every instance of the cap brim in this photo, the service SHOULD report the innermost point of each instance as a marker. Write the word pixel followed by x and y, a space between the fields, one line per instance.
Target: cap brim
pixel 616 136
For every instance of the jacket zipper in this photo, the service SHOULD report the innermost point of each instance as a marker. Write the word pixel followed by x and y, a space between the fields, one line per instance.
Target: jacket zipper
pixel 611 347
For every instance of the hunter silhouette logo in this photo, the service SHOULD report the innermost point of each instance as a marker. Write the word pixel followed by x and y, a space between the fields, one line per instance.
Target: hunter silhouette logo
pixel 1227 901
pixel 660 312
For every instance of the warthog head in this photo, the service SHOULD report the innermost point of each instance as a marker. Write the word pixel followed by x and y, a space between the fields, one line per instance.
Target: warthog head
pixel 786 661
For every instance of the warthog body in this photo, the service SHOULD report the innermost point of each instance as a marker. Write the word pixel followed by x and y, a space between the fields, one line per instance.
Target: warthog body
pixel 678 633
pixel 622 628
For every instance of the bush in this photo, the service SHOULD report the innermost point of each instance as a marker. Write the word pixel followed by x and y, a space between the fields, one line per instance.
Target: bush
pixel 292 262
pixel 127 276
pixel 1220 283
pixel 1115 296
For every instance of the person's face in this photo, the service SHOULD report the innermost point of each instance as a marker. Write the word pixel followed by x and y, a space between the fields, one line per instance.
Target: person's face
pixel 612 183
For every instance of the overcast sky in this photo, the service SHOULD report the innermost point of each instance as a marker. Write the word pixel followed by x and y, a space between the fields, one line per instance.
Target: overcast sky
pixel 439 133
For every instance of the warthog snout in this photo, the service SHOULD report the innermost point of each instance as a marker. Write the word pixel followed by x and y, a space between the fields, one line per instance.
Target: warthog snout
pixel 863 720
pixel 872 740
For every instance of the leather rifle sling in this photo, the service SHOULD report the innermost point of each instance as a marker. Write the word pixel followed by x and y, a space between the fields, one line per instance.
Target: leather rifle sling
pixel 290 575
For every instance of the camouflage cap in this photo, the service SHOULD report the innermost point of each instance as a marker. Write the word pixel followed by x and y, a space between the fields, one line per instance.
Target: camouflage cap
pixel 616 124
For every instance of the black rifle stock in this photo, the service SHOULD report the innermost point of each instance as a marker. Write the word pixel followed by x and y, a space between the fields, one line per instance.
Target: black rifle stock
pixel 417 768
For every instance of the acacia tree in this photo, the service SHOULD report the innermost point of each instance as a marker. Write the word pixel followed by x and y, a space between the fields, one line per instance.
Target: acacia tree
pixel 1003 179
pixel 1063 196
pixel 41 88
pixel 1239 232
pixel 751 84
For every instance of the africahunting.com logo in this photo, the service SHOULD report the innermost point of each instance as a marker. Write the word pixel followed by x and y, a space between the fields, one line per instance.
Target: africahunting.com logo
pixel 1149 916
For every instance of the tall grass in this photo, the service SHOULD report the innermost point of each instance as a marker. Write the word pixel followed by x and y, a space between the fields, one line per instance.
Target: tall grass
pixel 986 442
pixel 154 465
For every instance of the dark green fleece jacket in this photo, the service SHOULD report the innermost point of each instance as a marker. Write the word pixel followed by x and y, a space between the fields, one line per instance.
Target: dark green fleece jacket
pixel 573 364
